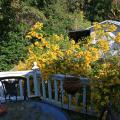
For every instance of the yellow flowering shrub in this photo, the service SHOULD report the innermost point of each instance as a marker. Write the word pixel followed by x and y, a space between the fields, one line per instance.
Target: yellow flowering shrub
pixel 117 39
pixel 57 54
pixel 105 72
pixel 106 82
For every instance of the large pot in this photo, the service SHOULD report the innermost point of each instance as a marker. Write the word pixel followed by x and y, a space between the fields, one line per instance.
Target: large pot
pixel 3 110
pixel 71 84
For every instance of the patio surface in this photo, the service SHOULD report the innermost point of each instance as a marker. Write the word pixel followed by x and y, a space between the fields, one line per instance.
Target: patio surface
pixel 32 111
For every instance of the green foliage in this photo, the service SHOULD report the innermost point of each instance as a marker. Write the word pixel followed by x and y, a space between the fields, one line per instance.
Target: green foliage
pixel 78 21
pixel 12 43
pixel 106 82
pixel 31 15
pixel 115 10
pixel 102 9
pixel 7 21
pixel 60 19
pixel 58 16
pixel 76 5
pixel 12 50
pixel 99 9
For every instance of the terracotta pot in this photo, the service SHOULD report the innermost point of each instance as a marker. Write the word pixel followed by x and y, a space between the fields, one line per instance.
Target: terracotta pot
pixel 71 84
pixel 3 110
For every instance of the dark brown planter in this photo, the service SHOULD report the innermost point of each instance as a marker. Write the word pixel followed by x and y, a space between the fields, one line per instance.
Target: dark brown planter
pixel 71 84
pixel 3 110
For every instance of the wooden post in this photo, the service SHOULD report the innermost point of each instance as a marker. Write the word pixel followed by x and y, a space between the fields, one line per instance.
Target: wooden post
pixel 62 91
pixel 35 79
pixel 84 98
pixel 69 100
pixel 77 97
pixel 56 90
pixel 28 86
pixel 43 89
pixel 49 89
pixel 21 88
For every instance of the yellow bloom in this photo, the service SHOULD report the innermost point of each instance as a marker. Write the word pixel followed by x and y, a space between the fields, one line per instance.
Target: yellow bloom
pixel 104 45
pixel 30 51
pixel 79 54
pixel 97 26
pixel 95 54
pixel 117 39
pixel 45 44
pixel 28 36
pixel 42 60
pixel 77 46
pixel 72 42
pixel 56 37
pixel 39 37
pixel 112 28
pixel 38 25
pixel 69 52
pixel 41 66
pixel 55 47
pixel 33 33
pixel 37 43
pixel 53 55
pixel 21 66
pixel 60 54
pixel 88 57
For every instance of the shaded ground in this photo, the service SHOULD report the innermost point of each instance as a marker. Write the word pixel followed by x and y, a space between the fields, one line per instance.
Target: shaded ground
pixel 31 111
pixel 26 110
pixel 20 111
pixel 77 116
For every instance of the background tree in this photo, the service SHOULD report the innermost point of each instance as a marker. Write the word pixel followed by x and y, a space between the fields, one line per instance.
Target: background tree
pixel 12 44
pixel 102 9
pixel 115 10
pixel 99 9
pixel 58 16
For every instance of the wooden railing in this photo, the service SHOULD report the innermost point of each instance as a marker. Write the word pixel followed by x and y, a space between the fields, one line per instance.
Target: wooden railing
pixel 52 90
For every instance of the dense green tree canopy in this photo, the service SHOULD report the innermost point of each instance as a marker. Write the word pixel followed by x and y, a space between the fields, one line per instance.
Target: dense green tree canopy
pixel 58 16
pixel 12 44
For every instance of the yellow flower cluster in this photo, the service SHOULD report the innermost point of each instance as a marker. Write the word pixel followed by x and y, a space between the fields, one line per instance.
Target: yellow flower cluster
pixel 95 53
pixel 117 39
pixel 104 45
pixel 69 52
pixel 97 26
pixel 37 26
pixel 57 37
pixel 112 27
pixel 79 54
pixel 88 57
pixel 34 31
pixel 56 54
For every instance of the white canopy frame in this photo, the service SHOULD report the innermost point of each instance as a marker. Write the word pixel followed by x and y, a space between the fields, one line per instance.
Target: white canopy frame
pixel 12 75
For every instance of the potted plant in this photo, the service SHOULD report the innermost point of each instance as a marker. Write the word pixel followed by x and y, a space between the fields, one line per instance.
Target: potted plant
pixel 3 110
pixel 71 84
